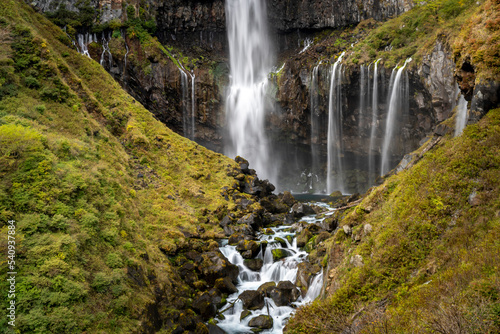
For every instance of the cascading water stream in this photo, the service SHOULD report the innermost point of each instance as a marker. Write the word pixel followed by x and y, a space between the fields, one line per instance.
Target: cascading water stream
pixel 373 126
pixel 335 177
pixel 397 104
pixel 271 271
pixel 188 114
pixel 105 50
pixel 461 117
pixel 250 62
pixel 314 102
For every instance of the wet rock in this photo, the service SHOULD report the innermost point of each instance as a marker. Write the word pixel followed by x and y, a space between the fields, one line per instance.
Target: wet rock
pixel 205 306
pixel 336 194
pixel 281 241
pixel 280 253
pixel 253 264
pixel 215 265
pixel 304 237
pixel 244 314
pixel 225 285
pixel 261 322
pixel 274 205
pixel 486 96
pixel 287 198
pixel 353 198
pixel 284 293
pixel 214 329
pixel 248 248
pixel 235 238
pixel 305 273
pixel 252 300
pixel 300 210
pixel 266 288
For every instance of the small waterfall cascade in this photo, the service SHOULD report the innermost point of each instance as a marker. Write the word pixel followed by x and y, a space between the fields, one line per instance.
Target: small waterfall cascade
pixel 83 41
pixel 125 59
pixel 373 125
pixel 335 177
pixel 106 51
pixel 188 103
pixel 461 112
pixel 272 271
pixel 314 105
pixel 250 62
pixel 398 106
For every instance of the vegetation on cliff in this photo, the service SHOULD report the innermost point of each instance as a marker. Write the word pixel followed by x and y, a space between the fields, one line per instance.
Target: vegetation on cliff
pixel 99 190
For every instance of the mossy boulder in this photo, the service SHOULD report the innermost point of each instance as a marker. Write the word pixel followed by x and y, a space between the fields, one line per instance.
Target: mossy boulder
pixel 266 288
pixel 281 241
pixel 253 264
pixel 304 237
pixel 284 293
pixel 279 253
pixel 252 300
pixel 248 248
pixel 305 273
pixel 225 285
pixel 261 322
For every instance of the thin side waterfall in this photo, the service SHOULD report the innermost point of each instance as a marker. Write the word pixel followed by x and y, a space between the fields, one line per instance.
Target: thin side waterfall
pixel 398 104
pixel 461 117
pixel 188 114
pixel 314 99
pixel 125 60
pixel 106 51
pixel 83 41
pixel 334 176
pixel 250 62
pixel 373 125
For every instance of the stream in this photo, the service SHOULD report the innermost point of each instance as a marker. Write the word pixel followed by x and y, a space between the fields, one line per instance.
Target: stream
pixel 271 271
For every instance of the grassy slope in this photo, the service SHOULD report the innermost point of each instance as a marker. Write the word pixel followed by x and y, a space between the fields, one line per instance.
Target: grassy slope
pixel 431 263
pixel 432 259
pixel 71 150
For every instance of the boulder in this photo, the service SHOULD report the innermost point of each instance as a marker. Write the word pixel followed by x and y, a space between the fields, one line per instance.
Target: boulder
pixel 284 293
pixel 215 265
pixel 252 300
pixel 248 248
pixel 329 224
pixel 214 329
pixel 235 238
pixel 347 229
pixel 280 253
pixel 261 322
pixel 281 241
pixel 287 198
pixel 225 224
pixel 225 285
pixel 300 210
pixel 244 314
pixel 305 272
pixel 253 264
pixel 252 220
pixel 266 288
pixel 303 237
pixel 205 306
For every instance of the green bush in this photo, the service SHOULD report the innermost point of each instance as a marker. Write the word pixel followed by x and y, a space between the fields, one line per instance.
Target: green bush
pixel 114 260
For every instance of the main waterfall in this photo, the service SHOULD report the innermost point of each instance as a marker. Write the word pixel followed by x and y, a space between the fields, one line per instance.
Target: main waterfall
pixel 250 62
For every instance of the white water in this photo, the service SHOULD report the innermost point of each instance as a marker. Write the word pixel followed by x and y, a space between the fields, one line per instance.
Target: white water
pixel 335 175
pixel 125 59
pixel 314 101
pixel 106 51
pixel 373 126
pixel 188 103
pixel 308 42
pixel 461 117
pixel 250 62
pixel 282 270
pixel 396 105
pixel 84 41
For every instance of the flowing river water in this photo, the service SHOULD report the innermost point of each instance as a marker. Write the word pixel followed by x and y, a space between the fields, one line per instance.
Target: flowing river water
pixel 271 271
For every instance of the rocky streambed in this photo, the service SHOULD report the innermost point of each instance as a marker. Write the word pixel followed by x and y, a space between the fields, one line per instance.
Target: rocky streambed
pixel 274 276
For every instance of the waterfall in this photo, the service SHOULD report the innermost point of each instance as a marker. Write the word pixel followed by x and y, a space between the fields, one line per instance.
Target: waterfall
pixel 397 104
pixel 105 50
pixel 461 117
pixel 83 42
pixel 125 59
pixel 314 99
pixel 188 114
pixel 272 270
pixel 250 62
pixel 335 147
pixel 373 125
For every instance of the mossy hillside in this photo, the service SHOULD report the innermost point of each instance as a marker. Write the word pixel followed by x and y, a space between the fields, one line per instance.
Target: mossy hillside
pixel 98 188
pixel 431 262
